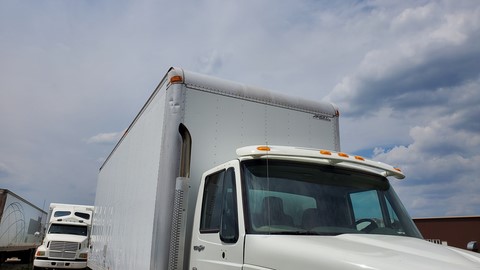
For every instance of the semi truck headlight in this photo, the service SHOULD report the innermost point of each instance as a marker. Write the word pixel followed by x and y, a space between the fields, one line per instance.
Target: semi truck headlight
pixel 83 256
pixel 40 253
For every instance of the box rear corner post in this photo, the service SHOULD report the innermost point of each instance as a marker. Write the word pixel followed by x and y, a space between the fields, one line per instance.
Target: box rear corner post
pixel 177 241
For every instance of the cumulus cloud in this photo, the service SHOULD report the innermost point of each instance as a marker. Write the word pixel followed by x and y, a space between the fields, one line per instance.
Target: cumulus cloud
pixel 417 100
pixel 441 166
pixel 410 18
pixel 412 72
pixel 106 138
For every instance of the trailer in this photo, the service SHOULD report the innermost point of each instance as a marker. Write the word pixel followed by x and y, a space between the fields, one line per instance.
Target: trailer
pixel 21 227
pixel 214 174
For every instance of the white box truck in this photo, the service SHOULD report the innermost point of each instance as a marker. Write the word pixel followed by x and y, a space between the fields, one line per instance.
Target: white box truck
pixel 21 227
pixel 213 174
pixel 67 240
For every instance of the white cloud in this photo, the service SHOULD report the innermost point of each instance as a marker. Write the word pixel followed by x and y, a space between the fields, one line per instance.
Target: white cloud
pixel 106 138
pixel 441 167
pixel 416 65
pixel 410 18
pixel 415 104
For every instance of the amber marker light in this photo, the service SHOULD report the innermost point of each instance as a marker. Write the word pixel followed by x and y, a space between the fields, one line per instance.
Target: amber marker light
pixel 343 155
pixel 359 158
pixel 263 148
pixel 176 79
pixel 325 152
pixel 397 169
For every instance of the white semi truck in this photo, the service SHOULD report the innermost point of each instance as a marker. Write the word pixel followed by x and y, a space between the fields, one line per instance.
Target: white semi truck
pixel 67 240
pixel 213 174
pixel 21 227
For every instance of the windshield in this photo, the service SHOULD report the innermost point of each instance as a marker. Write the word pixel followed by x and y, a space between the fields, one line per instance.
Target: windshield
pixel 68 229
pixel 286 197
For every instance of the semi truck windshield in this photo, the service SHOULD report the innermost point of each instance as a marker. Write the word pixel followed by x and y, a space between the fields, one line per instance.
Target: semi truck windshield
pixel 287 197
pixel 68 229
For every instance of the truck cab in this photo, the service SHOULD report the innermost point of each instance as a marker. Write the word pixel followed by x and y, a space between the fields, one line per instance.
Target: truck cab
pixel 290 208
pixel 67 238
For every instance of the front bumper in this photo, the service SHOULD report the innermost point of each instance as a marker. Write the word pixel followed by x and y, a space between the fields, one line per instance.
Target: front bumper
pixel 46 263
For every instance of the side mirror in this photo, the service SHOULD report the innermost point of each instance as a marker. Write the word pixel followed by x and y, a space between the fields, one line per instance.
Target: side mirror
pixel 472 246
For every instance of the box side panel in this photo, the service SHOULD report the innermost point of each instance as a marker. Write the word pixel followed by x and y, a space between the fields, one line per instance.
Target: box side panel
pixel 126 192
pixel 19 223
pixel 220 124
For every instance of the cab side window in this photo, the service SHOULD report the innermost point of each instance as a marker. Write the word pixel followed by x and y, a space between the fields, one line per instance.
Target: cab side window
pixel 219 206
pixel 229 220
pixel 212 203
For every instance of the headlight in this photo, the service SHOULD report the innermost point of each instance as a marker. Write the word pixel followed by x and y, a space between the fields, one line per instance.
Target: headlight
pixel 83 256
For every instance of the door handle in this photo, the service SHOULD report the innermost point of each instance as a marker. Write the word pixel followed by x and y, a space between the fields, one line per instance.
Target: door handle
pixel 199 248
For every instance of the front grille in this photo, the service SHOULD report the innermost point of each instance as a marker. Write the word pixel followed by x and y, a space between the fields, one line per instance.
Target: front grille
pixel 63 250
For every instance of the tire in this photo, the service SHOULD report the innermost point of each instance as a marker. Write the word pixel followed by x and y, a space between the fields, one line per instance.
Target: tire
pixel 28 256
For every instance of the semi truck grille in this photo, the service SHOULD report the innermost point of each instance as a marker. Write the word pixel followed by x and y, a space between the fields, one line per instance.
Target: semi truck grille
pixel 63 250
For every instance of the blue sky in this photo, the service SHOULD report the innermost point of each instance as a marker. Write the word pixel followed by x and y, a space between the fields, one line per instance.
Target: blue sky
pixel 405 74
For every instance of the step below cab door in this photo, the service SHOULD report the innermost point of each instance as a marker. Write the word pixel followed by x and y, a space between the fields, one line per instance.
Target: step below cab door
pixel 218 234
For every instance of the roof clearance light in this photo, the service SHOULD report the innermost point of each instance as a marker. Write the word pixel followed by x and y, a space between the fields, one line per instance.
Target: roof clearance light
pixel 359 158
pixel 176 79
pixel 263 148
pixel 325 152
pixel 342 155
pixel 397 169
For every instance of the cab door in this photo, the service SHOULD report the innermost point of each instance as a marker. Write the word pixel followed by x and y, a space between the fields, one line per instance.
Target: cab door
pixel 218 234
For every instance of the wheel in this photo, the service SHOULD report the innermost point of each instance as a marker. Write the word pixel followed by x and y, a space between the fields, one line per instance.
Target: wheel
pixel 28 256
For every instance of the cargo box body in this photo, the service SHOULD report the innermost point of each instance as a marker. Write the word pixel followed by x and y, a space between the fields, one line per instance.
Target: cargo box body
pixel 134 205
